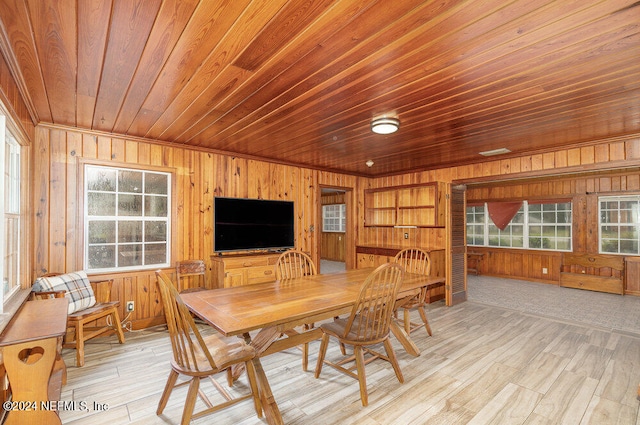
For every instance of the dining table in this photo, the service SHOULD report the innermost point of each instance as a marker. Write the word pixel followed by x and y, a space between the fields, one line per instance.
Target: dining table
pixel 269 316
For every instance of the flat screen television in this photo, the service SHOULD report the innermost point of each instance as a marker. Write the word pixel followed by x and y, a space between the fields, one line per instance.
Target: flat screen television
pixel 252 224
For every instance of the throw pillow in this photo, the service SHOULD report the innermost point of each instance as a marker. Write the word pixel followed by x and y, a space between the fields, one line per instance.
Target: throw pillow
pixel 76 285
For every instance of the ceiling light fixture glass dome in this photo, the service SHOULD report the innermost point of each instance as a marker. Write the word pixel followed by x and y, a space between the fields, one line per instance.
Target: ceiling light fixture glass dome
pixel 385 125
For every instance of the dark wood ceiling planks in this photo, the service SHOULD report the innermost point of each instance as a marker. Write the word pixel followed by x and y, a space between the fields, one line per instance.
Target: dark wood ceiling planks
pixel 299 81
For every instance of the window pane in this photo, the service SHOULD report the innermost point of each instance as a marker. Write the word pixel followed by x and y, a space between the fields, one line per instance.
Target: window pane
pixel 101 232
pixel 609 245
pixel 535 217
pixel 155 231
pixel 535 230
pixel 130 255
pixel 101 179
pixel 155 206
pixel 129 231
pixel 156 183
pixel 130 181
pixel 102 256
pixel 564 232
pixel 130 205
pixel 155 254
pixel 101 204
pixel 564 244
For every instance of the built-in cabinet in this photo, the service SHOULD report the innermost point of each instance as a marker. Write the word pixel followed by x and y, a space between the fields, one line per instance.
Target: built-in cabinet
pixel 243 269
pixel 371 256
pixel 374 256
pixel 405 206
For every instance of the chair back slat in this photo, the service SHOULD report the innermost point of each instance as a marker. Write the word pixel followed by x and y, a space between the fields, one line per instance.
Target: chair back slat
pixel 373 310
pixel 414 260
pixel 189 350
pixel 293 263
pixel 190 270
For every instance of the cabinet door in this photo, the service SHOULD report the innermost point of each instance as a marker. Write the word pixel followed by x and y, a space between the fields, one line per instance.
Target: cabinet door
pixel 235 277
pixel 364 260
pixel 379 260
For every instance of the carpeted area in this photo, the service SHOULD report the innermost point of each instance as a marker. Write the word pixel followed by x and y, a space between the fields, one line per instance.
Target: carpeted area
pixel 610 311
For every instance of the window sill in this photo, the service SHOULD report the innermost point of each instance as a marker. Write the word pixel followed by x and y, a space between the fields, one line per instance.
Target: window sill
pixel 12 307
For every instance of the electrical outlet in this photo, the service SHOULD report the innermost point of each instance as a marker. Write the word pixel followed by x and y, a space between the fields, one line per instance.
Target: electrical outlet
pixel 406 236
pixel 130 306
pixel 544 270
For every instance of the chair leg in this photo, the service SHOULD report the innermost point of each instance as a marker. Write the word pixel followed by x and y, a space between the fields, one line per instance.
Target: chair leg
pixel 79 343
pixel 407 321
pixel 168 388
pixel 117 326
pixel 305 356
pixel 190 403
pixel 393 359
pixel 321 353
pixel 423 316
pixel 362 377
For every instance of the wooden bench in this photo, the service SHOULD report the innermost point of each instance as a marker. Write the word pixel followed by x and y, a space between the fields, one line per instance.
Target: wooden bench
pixel 595 272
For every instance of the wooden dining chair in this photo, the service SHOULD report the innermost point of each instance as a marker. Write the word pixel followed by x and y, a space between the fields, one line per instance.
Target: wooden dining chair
pixel 189 271
pixel 415 260
pixel 197 357
pixel 367 325
pixel 87 306
pixel 292 264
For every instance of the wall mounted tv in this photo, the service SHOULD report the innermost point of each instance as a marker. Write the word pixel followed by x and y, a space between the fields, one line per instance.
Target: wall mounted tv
pixel 252 224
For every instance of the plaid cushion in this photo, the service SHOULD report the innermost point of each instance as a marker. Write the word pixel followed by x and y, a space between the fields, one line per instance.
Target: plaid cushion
pixel 76 285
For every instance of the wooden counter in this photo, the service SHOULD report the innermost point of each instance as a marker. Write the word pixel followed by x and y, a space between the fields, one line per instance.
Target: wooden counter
pixel 30 347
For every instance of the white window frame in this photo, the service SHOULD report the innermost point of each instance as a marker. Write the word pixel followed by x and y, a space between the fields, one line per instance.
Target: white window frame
pixel 10 205
pixel 334 218
pixel 118 218
pixel 634 225
pixel 526 224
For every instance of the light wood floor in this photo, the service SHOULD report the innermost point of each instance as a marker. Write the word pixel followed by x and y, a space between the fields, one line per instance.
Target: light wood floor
pixel 483 365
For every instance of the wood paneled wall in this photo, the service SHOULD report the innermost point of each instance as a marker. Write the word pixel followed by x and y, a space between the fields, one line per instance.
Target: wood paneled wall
pixel 199 176
pixel 583 191
pixel 13 102
pixel 578 173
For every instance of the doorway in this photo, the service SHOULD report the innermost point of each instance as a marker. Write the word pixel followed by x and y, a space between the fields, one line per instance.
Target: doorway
pixel 336 244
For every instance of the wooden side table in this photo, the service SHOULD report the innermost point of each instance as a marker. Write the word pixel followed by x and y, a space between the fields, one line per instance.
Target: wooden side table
pixel 30 346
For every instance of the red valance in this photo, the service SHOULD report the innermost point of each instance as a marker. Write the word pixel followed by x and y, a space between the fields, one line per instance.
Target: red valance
pixel 501 213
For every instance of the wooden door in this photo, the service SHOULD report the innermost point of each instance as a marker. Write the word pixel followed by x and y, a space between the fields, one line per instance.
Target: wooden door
pixel 456 288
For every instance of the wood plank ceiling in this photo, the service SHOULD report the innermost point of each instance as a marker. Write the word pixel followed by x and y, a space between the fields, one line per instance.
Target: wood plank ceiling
pixel 299 81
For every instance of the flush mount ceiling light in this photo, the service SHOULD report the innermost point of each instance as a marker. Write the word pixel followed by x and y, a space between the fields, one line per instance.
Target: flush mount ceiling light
pixel 385 125
pixel 369 163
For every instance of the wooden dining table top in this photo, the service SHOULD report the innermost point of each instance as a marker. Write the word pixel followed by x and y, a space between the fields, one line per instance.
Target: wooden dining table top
pixel 287 303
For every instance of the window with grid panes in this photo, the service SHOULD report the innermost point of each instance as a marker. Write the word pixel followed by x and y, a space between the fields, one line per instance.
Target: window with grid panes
pixel 619 224
pixel 127 218
pixel 544 226
pixel 10 209
pixel 549 226
pixel 476 225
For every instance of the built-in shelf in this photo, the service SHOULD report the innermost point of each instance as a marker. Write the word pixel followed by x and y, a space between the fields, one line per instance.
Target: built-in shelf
pixel 406 206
